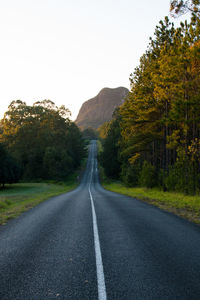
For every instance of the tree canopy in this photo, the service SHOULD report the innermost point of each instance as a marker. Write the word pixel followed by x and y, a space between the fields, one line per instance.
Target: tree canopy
pixel 42 139
pixel 159 127
pixel 179 7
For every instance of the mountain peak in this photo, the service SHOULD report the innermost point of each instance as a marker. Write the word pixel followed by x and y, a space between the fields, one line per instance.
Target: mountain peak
pixel 94 112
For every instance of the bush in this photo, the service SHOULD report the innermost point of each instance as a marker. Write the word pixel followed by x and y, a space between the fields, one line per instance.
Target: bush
pixel 130 174
pixel 181 178
pixel 148 175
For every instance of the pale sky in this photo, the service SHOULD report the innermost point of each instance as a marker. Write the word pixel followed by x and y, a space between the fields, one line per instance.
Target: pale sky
pixel 68 50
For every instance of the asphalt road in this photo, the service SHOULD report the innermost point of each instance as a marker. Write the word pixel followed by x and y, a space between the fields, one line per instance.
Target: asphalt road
pixel 95 244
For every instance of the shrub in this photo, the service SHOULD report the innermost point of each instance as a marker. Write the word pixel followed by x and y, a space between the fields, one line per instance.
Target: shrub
pixel 147 175
pixel 130 174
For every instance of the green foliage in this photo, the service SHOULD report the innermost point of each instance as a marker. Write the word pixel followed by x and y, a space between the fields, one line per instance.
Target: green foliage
pixel 159 123
pixel 109 156
pixel 181 178
pixel 103 130
pixel 148 175
pixel 130 174
pixel 179 7
pixel 9 170
pixel 56 163
pixel 42 139
pixel 90 134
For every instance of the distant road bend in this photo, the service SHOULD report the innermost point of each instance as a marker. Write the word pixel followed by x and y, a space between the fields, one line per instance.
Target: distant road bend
pixel 95 244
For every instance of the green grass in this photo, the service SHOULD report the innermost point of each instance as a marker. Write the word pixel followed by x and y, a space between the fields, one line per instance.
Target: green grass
pixel 17 198
pixel 20 197
pixel 178 203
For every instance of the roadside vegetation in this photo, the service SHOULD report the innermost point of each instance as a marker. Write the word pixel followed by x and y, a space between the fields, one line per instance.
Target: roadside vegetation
pixel 38 142
pixel 41 154
pixel 186 206
pixel 151 147
pixel 20 197
pixel 180 204
pixel 153 140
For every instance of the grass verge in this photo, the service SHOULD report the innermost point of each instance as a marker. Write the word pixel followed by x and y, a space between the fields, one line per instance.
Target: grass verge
pixel 182 205
pixel 20 197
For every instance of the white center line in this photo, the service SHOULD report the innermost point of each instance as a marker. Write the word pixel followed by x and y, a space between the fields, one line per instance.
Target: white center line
pixel 99 263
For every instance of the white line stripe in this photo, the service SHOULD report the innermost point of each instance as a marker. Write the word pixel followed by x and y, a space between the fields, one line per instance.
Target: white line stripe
pixel 99 263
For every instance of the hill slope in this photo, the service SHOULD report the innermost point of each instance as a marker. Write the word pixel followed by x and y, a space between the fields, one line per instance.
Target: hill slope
pixel 99 109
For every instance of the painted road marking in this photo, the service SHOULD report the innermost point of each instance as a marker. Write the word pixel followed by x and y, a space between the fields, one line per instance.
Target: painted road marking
pixel 99 262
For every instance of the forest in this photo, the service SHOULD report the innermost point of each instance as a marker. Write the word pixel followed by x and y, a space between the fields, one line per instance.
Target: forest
pixel 153 139
pixel 38 142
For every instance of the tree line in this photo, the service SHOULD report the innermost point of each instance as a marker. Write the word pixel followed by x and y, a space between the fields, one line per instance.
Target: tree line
pixel 38 142
pixel 154 137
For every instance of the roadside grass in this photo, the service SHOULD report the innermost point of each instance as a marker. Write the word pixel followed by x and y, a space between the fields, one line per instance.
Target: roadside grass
pixel 20 197
pixel 183 205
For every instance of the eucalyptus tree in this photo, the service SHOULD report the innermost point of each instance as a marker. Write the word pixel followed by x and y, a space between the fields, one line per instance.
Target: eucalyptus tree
pixel 42 138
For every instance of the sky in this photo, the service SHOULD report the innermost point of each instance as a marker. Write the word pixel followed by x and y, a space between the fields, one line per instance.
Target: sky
pixel 68 50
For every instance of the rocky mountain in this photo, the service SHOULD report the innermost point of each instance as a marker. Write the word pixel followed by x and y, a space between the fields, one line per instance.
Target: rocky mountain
pixel 99 109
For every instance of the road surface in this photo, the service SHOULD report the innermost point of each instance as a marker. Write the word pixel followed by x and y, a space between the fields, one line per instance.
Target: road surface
pixel 95 244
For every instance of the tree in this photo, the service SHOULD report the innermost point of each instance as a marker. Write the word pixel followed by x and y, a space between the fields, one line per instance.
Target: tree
pixel 103 130
pixel 42 139
pixel 179 7
pixel 159 123
pixel 89 133
pixel 9 170
pixel 109 157
pixel 144 135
